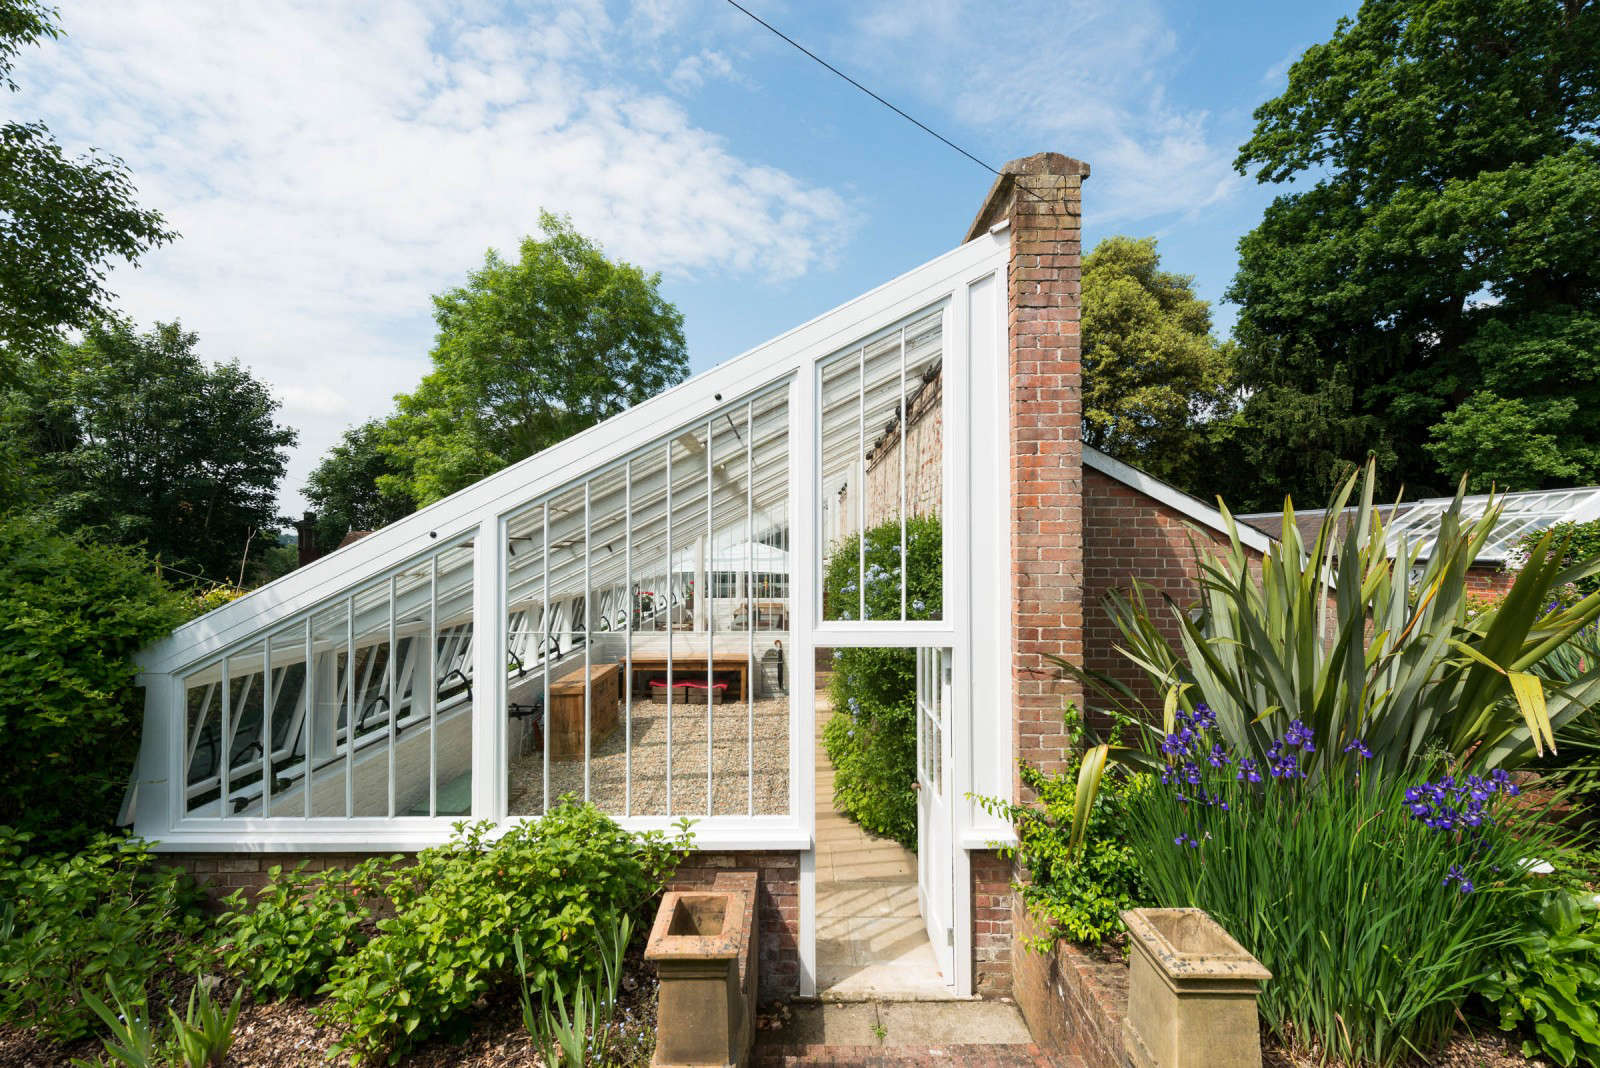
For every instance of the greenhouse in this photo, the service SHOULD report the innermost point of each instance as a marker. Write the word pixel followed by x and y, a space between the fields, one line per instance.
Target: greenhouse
pixel 630 618
pixel 645 617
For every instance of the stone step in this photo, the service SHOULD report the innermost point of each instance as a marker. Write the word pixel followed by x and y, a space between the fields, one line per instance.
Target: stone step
pixel 899 1029
pixel 974 1055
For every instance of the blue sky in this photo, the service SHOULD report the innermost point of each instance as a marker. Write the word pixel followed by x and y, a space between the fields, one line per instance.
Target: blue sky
pixel 332 165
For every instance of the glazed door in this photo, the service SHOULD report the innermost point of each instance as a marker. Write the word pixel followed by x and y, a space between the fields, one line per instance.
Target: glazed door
pixel 935 826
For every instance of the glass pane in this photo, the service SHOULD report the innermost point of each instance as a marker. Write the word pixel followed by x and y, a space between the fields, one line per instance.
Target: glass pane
pixel 841 499
pixel 241 783
pixel 450 740
pixel 203 740
pixel 330 714
pixel 883 476
pixel 370 733
pixel 648 540
pixel 769 607
pixel 645 711
pixel 525 684
pixel 691 565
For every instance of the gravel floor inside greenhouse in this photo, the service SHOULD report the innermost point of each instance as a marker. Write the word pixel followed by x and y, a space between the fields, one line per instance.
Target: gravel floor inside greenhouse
pixel 734 756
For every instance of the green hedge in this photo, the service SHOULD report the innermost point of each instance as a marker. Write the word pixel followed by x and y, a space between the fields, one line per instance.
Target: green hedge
pixel 872 736
pixel 72 614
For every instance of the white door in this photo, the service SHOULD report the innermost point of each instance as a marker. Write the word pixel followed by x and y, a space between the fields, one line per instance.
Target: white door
pixel 935 829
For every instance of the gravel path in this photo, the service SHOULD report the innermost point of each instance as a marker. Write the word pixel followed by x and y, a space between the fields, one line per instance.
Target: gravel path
pixel 731 752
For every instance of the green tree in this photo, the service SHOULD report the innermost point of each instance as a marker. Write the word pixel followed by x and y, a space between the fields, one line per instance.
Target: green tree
pixel 528 354
pixel 62 220
pixel 75 613
pixel 1535 421
pixel 345 491
pixel 141 441
pixel 1152 372
pixel 1440 234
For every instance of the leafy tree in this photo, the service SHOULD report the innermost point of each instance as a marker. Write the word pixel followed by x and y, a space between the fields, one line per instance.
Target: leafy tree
pixel 1152 372
pixel 138 439
pixel 61 220
pixel 75 612
pixel 344 488
pixel 1440 236
pixel 1536 420
pixel 528 354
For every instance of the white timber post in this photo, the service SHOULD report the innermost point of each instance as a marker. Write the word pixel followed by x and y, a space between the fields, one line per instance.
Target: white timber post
pixel 489 670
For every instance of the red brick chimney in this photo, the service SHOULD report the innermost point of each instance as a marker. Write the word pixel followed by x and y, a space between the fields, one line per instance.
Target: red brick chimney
pixel 1040 196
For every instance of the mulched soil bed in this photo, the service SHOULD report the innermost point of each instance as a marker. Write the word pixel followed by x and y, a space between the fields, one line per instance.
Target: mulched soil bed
pixel 1484 1049
pixel 285 1035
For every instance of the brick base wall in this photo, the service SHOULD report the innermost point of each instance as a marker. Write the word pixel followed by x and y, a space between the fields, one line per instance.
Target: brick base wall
pixel 220 874
pixel 991 925
pixel 1073 999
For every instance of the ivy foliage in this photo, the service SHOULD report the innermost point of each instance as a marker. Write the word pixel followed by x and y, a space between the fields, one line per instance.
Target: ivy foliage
pixel 871 738
pixel 72 614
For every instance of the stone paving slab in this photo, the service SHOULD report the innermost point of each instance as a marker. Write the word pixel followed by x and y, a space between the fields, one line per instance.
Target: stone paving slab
pixel 893 1024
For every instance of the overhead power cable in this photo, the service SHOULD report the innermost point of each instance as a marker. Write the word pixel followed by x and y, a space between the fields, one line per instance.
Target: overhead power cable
pixel 919 124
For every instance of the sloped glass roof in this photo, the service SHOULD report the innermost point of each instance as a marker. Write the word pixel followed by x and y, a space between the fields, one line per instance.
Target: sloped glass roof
pixel 1416 523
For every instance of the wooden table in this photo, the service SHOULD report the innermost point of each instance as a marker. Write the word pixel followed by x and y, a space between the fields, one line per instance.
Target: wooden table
pixel 565 728
pixel 686 667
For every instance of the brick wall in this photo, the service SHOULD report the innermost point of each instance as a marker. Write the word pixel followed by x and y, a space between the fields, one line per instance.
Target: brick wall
pixel 220 874
pixel 923 445
pixel 1128 536
pixel 1040 196
pixel 1074 999
pixel 991 924
pixel 1489 581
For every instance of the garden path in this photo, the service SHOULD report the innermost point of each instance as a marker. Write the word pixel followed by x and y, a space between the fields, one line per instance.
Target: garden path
pixel 871 941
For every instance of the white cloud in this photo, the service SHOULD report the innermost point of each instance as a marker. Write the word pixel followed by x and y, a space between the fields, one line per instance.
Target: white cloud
pixel 1087 77
pixel 694 71
pixel 332 165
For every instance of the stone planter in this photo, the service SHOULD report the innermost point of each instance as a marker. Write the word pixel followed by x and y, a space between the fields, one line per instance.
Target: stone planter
pixel 1191 993
pixel 703 947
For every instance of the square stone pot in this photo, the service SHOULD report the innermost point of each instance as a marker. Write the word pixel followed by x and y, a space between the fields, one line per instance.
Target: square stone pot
pixel 703 946
pixel 1191 993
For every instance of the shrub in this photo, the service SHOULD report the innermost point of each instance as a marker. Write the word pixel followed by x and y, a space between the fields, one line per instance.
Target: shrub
pixel 841 594
pixel 557 883
pixel 301 923
pixel 107 913
pixel 72 614
pixel 871 738
pixel 1076 894
pixel 1547 980
pixel 1578 542
pixel 1374 903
